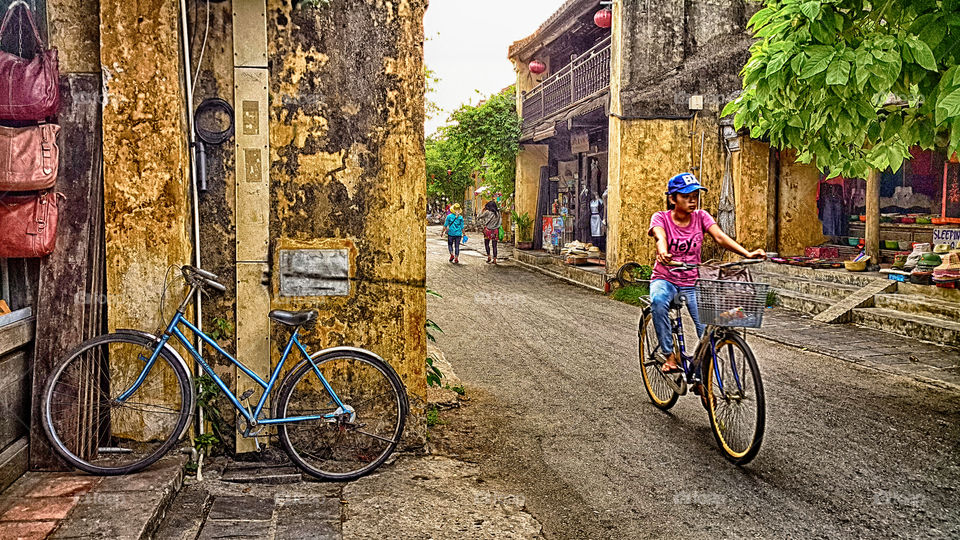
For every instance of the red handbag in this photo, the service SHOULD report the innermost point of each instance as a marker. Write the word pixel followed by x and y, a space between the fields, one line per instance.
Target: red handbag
pixel 29 89
pixel 28 224
pixel 29 157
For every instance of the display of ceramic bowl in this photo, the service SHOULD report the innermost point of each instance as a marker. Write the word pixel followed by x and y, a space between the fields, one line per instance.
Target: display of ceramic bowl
pixel 853 241
pixel 863 219
pixel 891 244
pixel 923 221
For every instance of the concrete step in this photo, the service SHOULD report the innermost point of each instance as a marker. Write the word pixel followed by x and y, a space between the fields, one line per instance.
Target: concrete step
pixel 804 303
pixel 926 328
pixel 919 305
pixel 842 277
pixel 823 289
pixel 936 293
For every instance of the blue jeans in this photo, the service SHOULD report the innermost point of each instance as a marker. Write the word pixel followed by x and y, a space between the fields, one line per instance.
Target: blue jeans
pixel 663 292
pixel 453 244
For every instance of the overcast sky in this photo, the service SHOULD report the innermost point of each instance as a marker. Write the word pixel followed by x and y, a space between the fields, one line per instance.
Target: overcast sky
pixel 467 46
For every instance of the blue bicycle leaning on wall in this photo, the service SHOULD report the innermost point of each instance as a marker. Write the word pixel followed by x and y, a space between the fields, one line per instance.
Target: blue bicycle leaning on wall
pixel 120 401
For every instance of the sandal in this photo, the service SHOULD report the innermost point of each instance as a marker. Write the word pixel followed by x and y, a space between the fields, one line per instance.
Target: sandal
pixel 667 369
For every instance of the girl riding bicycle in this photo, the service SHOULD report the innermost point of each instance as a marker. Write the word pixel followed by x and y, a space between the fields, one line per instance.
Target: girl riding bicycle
pixel 679 233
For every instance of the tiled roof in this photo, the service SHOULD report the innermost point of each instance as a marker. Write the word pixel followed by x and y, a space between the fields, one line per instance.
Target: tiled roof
pixel 567 10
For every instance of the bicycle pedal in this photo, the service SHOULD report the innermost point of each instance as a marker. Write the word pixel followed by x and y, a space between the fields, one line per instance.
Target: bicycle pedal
pixel 246 395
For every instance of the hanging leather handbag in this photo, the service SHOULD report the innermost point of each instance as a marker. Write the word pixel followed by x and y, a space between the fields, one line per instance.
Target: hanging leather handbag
pixel 28 224
pixel 29 89
pixel 29 157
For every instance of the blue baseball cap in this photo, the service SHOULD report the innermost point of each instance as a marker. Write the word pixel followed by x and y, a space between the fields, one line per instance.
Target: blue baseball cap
pixel 684 183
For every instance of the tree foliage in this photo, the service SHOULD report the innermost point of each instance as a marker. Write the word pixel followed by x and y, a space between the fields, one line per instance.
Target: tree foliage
pixel 482 139
pixel 853 84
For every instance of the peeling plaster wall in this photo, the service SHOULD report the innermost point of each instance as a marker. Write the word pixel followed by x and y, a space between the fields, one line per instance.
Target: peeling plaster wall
pixel 146 198
pixel 799 224
pixel 529 160
pixel 650 152
pixel 752 188
pixel 74 28
pixel 347 169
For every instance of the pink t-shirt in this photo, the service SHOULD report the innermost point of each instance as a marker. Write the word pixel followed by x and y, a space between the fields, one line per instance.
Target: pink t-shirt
pixel 684 243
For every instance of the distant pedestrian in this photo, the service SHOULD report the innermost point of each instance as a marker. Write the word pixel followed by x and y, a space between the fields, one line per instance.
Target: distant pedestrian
pixel 453 228
pixel 490 221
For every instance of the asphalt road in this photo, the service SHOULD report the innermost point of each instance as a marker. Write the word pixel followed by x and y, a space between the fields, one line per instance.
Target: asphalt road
pixel 560 417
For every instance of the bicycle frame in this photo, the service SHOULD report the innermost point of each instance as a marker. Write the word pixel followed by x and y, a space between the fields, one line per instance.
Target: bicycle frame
pixel 711 332
pixel 173 330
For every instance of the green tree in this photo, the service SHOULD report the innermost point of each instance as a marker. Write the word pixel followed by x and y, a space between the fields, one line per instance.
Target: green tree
pixel 482 139
pixel 853 84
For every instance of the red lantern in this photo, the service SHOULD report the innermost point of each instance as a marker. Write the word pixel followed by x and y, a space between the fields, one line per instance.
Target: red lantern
pixel 537 67
pixel 449 172
pixel 603 18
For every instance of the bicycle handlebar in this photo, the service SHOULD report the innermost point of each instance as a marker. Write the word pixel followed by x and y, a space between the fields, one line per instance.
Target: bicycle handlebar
pixel 677 265
pixel 200 277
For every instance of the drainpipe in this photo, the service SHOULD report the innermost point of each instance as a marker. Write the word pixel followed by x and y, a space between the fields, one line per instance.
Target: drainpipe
pixel 192 135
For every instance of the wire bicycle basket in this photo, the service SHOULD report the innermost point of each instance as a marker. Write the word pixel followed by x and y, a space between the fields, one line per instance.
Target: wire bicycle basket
pixel 731 303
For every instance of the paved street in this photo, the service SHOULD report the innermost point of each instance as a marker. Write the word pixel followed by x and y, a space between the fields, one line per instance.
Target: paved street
pixel 559 418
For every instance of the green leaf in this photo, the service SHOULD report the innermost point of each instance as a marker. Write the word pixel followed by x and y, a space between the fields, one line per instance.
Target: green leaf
pixel 776 63
pixel 922 54
pixel 892 126
pixel 761 17
pixel 810 10
pixel 838 73
pixel 948 106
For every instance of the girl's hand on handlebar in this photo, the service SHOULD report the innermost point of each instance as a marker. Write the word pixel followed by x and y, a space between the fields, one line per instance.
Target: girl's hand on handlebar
pixel 664 258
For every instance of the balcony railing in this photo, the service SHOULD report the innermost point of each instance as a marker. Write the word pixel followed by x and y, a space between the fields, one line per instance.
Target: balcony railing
pixel 585 77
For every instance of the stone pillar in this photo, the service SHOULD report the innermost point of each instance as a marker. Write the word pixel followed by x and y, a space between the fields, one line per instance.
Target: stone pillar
pixel 872 233
pixel 145 160
pixel 529 160
pixel 347 173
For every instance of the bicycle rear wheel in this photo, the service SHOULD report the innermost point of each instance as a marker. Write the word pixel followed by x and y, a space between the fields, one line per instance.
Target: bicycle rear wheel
pixel 735 400
pixel 95 432
pixel 360 437
pixel 661 392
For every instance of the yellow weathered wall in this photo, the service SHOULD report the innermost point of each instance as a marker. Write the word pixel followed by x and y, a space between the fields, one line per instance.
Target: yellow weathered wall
pixel 751 166
pixel 529 160
pixel 347 169
pixel 799 225
pixel 644 154
pixel 74 29
pixel 146 199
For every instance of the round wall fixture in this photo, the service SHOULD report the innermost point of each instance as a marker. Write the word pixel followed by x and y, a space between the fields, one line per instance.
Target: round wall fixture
pixel 537 67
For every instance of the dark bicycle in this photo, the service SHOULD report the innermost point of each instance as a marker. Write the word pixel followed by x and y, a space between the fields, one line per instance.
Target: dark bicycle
pixel 723 362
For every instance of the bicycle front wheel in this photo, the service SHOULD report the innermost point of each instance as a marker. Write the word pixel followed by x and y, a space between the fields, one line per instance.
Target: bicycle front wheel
pixel 661 392
pixel 92 429
pixel 346 442
pixel 735 400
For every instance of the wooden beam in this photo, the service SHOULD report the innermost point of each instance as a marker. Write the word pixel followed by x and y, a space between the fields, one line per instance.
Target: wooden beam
pixel 872 235
pixel 65 305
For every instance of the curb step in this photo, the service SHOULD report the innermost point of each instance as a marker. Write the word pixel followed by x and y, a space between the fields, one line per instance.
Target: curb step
pixel 931 329
pixel 826 290
pixel 801 302
pixel 926 306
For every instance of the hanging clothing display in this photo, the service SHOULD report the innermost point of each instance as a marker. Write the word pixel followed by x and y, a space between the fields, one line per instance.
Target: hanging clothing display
pixel 596 217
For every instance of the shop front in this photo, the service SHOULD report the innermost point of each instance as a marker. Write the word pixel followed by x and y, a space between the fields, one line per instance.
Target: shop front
pixel 563 78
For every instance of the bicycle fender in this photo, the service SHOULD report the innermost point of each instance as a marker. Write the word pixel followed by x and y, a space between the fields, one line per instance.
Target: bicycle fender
pixel 186 367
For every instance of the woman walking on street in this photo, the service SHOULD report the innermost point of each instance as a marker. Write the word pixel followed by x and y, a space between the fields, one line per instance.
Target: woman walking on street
pixel 453 228
pixel 490 221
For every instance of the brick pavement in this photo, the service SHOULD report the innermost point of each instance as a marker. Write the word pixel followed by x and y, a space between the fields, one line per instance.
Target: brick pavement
pixel 928 363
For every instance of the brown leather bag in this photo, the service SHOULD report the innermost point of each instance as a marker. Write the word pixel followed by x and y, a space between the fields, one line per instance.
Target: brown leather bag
pixel 29 157
pixel 28 224
pixel 29 89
